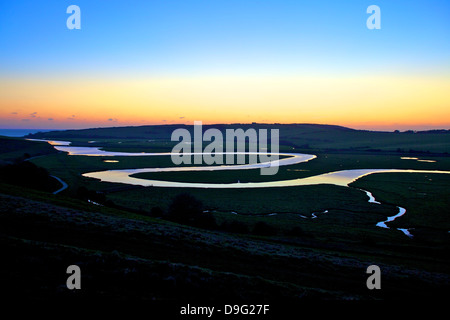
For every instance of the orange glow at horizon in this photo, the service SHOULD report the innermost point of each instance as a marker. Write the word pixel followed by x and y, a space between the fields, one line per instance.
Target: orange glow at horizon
pixel 353 101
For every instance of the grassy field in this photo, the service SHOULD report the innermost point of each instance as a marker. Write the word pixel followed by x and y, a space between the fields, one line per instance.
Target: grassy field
pixel 424 196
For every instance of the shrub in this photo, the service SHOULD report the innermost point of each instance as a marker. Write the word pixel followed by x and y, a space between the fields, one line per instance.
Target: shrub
pixel 185 207
pixel 27 174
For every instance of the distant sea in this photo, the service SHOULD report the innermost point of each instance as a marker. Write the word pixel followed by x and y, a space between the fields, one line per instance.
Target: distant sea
pixel 21 132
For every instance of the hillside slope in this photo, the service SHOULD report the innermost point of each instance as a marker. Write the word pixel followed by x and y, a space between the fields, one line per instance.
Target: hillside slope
pixel 298 136
pixel 125 257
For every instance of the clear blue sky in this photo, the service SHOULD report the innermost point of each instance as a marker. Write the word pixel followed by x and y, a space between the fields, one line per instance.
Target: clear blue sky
pixel 185 36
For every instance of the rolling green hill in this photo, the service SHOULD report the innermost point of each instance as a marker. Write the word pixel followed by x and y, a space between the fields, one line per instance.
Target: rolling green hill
pixel 292 136
pixel 15 148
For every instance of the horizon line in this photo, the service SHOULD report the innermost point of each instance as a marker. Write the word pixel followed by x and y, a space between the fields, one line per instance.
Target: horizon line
pixel 234 123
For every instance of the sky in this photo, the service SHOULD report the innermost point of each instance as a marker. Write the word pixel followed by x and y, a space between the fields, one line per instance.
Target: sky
pixel 235 61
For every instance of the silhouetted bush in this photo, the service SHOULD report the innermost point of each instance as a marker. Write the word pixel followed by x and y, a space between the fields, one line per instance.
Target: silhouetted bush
pixel 263 229
pixel 27 174
pixel 185 207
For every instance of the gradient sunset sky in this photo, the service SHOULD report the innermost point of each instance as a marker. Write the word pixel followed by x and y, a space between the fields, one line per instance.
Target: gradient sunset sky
pixel 225 61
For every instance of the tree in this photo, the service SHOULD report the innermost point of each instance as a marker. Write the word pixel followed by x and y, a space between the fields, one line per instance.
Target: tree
pixel 185 207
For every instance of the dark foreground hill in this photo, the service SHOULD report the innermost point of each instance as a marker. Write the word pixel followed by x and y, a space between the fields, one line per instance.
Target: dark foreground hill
pixel 298 136
pixel 124 256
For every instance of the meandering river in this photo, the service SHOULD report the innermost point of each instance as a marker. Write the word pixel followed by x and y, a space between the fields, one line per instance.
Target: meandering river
pixel 339 178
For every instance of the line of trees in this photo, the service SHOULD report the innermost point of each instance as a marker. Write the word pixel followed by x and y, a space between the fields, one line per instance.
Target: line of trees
pixel 187 209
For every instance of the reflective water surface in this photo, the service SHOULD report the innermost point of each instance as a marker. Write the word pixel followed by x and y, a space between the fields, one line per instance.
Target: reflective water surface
pixel 339 178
